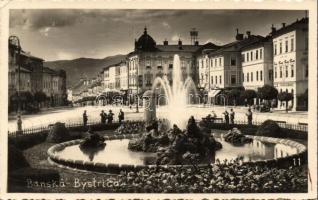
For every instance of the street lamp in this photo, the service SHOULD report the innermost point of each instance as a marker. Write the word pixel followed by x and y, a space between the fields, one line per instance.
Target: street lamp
pixel 14 40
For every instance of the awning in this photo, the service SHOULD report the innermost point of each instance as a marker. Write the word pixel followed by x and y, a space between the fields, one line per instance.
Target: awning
pixel 213 93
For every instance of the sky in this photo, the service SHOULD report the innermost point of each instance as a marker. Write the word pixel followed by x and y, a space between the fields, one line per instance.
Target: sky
pixel 64 34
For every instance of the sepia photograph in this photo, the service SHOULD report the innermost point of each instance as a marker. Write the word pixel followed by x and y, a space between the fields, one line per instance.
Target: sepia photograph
pixel 169 101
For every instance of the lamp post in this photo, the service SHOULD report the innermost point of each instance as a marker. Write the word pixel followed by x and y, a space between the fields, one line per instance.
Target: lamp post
pixel 137 106
pixel 14 40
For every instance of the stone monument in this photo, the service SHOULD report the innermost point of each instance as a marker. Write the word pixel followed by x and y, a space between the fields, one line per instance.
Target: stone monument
pixel 149 102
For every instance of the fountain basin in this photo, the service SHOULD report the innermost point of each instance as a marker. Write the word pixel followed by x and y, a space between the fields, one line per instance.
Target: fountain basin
pixel 116 157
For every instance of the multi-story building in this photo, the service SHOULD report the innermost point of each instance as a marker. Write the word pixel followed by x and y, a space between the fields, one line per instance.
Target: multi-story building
pixel 150 60
pixel 257 64
pixel 225 65
pixel 290 47
pixel 112 77
pixel 34 78
pixel 123 76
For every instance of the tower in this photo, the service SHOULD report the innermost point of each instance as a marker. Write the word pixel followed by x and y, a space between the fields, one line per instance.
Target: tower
pixel 194 36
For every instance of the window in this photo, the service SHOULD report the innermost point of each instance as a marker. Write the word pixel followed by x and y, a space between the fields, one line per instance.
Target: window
pixel 233 79
pixel 216 80
pixel 286 71
pixel 306 43
pixel 212 80
pixel 220 79
pixel 275 71
pixel 243 58
pixel 170 66
pixel 292 71
pixel 251 55
pixel 261 54
pixel 211 61
pixel 216 62
pixel 243 77
pixel 220 61
pixel 286 45
pixel 251 76
pixel 247 57
pixel 248 77
pixel 233 62
pixel 280 48
pixel 275 49
pixel 256 75
pixel 148 67
pixel 306 71
pixel 280 72
pixel 159 67
pixel 256 55
pixel 261 75
pixel 292 44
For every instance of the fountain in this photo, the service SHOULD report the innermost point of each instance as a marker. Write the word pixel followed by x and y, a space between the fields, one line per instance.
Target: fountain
pixel 177 95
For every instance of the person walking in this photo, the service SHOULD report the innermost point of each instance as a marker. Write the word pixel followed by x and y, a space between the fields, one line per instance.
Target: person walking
pixel 121 116
pixel 249 115
pixel 226 117
pixel 103 117
pixel 85 118
pixel 110 116
pixel 232 115
pixel 19 123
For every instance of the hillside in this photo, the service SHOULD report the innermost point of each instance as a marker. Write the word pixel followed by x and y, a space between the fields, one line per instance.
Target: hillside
pixel 82 67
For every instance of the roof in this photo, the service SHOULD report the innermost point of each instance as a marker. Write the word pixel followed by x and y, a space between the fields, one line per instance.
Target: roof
pixel 257 43
pixel 296 25
pixel 49 71
pixel 178 48
pixel 30 56
pixel 238 45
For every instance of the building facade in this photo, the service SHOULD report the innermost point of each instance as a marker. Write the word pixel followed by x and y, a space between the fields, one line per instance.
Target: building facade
pixel 290 48
pixel 257 64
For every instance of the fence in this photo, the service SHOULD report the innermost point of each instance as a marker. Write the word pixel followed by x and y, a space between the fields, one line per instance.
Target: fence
pixel 298 127
pixel 69 125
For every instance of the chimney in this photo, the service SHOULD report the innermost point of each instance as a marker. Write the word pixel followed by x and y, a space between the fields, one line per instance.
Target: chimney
pixel 273 28
pixel 165 42
pixel 196 43
pixel 180 42
pixel 283 25
pixel 248 33
pixel 238 35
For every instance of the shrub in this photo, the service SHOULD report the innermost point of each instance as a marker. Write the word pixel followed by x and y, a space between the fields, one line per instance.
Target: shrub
pixel 16 159
pixel 269 128
pixel 34 174
pixel 58 133
pixel 28 140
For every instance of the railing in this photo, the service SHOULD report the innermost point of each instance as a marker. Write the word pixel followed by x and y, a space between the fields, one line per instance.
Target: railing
pixel 69 124
pixel 282 124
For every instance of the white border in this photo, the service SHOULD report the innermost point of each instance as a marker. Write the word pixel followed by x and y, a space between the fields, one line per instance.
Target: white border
pixel 310 5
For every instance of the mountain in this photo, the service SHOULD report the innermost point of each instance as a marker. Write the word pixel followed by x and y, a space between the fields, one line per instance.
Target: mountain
pixel 82 67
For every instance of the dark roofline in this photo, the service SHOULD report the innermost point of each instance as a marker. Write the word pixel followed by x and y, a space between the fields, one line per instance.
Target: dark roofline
pixel 23 53
pixel 291 27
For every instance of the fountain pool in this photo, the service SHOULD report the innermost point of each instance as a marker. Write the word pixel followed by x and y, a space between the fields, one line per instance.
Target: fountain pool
pixel 116 152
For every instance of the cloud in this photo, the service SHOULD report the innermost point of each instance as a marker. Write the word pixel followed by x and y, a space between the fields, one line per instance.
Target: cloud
pixel 175 38
pixel 64 56
pixel 45 31
pixel 166 25
pixel 44 18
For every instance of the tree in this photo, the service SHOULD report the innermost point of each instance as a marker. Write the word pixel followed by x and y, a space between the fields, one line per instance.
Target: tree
pixel 267 92
pixel 285 96
pixel 249 95
pixel 40 97
pixel 234 94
